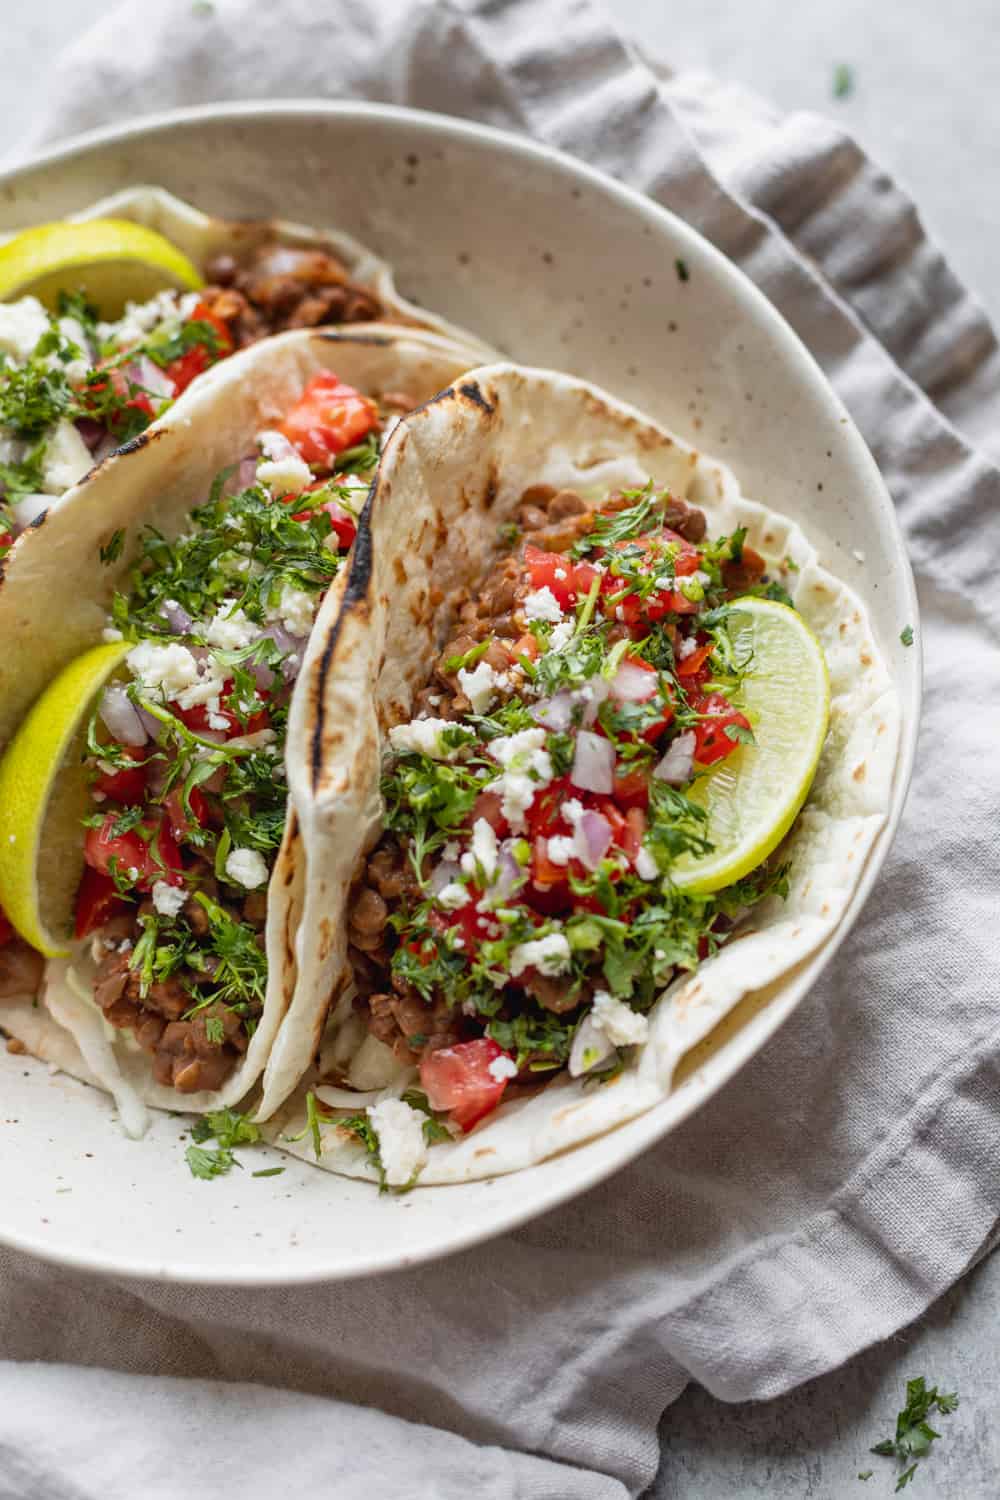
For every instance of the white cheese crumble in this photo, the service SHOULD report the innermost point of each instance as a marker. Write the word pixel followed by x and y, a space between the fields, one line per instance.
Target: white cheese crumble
pixel 501 1068
pixel 401 1143
pixel 618 1021
pixel 527 768
pixel 645 865
pixel 424 737
pixel 561 849
pixel 141 318
pixel 479 685
pixel 285 476
pixel 22 324
pixel 452 896
pixel 542 604
pixel 170 668
pixel 686 647
pixel 229 629
pixel 483 855
pixel 549 955
pixel 66 459
pixel 168 899
pixel 247 867
pixel 296 608
pixel 561 636
pixel 109 634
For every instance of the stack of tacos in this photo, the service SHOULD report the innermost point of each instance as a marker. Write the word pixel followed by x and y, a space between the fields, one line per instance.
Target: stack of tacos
pixel 459 747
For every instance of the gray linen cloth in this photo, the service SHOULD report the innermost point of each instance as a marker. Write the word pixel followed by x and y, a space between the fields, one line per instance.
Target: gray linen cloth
pixel 851 1172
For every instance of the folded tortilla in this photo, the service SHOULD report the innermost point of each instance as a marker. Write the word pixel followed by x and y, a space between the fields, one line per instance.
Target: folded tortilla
pixel 158 483
pixel 452 474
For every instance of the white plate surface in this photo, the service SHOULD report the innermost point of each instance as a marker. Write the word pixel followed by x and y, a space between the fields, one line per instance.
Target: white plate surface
pixel 557 266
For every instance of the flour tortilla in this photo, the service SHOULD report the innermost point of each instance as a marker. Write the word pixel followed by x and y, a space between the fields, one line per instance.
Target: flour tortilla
pixel 158 483
pixel 452 474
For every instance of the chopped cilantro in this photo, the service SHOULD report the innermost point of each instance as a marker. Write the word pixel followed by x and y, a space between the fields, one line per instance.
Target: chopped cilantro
pixel 906 635
pixel 681 267
pixel 914 1435
pixel 112 549
pixel 843 81
pixel 268 1172
pixel 208 1164
pixel 361 1127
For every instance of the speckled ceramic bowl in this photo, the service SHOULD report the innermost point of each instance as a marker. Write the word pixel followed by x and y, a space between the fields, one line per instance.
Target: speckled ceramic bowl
pixel 512 241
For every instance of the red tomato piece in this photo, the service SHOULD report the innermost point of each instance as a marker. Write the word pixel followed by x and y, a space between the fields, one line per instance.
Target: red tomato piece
pixel 458 1079
pixel 342 523
pixel 328 418
pixel 197 718
pixel 6 540
pixel 179 820
pixel 153 857
pixel 199 357
pixel 711 743
pixel 543 816
pixel 632 788
pixel 97 902
pixel 488 805
pixel 545 873
pixel 128 784
pixel 552 571
pixel 690 666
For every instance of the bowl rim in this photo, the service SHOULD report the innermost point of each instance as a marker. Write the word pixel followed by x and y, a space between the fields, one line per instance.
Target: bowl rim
pixel 432 125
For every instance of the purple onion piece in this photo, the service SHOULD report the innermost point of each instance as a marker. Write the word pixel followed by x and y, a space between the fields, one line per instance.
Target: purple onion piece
pixel 595 831
pixel 443 874
pixel 591 696
pixel 593 763
pixel 632 683
pixel 151 724
pixel 677 765
pixel 121 718
pixel 508 874
pixel 555 712
pixel 176 616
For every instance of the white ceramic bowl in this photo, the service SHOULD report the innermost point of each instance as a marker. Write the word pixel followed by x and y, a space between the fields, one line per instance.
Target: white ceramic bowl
pixel 558 266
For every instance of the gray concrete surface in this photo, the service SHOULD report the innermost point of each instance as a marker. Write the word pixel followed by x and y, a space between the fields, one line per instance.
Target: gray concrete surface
pixel 926 102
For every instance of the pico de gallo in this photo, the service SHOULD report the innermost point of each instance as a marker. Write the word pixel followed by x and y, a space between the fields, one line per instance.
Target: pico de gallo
pixel 518 916
pixel 73 388
pixel 185 747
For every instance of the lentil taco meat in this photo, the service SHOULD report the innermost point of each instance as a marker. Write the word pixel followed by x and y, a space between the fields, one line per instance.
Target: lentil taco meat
pixel 218 581
pixel 521 958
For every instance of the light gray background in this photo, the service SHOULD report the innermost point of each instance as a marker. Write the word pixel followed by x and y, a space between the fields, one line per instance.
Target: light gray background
pixel 926 103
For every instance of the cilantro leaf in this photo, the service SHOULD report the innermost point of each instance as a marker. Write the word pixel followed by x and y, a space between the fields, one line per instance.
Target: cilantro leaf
pixel 906 635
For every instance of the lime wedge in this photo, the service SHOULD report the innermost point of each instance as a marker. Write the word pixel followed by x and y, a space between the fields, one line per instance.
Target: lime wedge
pixel 43 796
pixel 753 796
pixel 112 261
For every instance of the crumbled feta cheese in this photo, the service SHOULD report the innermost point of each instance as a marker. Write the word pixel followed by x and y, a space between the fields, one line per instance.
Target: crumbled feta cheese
pixel 451 849
pixel 483 856
pixel 502 1067
pixel 168 899
pixel 247 868
pixel 561 635
pixel 479 685
pixel 229 629
pixel 170 668
pixel 526 748
pixel 207 690
pixel 66 459
pixel 296 608
pixel 109 634
pixel 285 476
pixel 401 1143
pixel 141 318
pixel 619 1022
pixel 452 896
pixel 542 604
pixel 645 865
pixel 561 849
pixel 217 721
pixel 686 647
pixel 549 955
pixel 22 324
pixel 561 573
pixel 424 737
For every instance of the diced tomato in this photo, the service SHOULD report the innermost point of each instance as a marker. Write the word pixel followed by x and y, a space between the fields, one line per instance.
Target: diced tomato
pixel 632 788
pixel 199 357
pixel 475 927
pixel 458 1079
pixel 97 901
pixel 525 645
pixel 198 721
pixel 545 873
pixel 689 666
pixel 6 540
pixel 154 857
pixel 552 571
pixel 128 784
pixel 179 820
pixel 711 743
pixel 488 805
pixel 543 816
pixel 342 523
pixel 635 829
pixel 328 418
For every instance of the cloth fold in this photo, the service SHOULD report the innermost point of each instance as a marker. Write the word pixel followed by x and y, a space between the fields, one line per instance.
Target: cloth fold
pixel 849 1174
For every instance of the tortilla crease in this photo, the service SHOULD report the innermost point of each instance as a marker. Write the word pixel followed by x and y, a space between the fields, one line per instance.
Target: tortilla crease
pixel 451 475
pixel 54 600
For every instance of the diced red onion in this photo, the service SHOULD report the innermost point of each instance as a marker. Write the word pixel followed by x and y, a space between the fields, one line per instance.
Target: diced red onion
pixel 591 695
pixel 176 616
pixel 146 373
pixel 595 831
pixel 291 648
pixel 588 1039
pixel 92 432
pixel 508 872
pixel 443 874
pixel 555 712
pixel 593 763
pixel 632 683
pixel 678 763
pixel 151 724
pixel 121 718
pixel 262 675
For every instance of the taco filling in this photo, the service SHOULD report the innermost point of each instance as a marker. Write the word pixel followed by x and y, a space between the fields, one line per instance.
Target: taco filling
pixel 186 747
pixel 74 388
pixel 518 916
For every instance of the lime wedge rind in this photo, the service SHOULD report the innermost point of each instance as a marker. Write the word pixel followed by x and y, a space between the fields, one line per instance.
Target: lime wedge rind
pixel 113 261
pixel 753 797
pixel 30 773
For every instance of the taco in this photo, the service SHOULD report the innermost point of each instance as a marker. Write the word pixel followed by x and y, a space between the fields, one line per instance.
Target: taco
pixel 194 580
pixel 588 683
pixel 84 369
